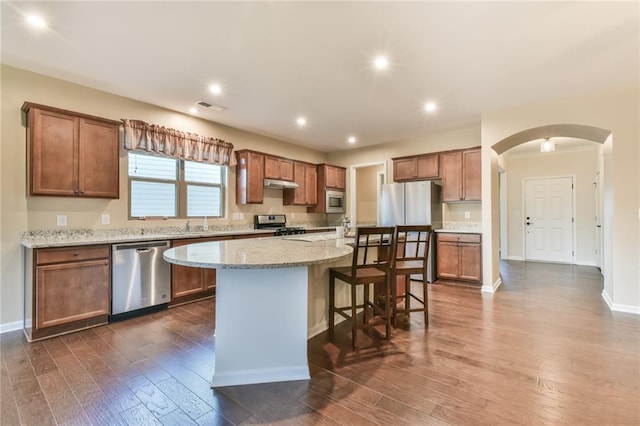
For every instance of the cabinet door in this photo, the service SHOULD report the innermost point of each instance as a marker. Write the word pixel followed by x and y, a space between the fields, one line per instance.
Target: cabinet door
pixel 427 166
pixel 271 167
pixel 286 170
pixel 451 176
pixel 249 178
pixel 404 169
pixel 311 185
pixel 335 177
pixel 470 262
pixel 209 279
pixel 98 167
pixel 186 281
pixel 448 260
pixel 71 292
pixel 300 175
pixel 53 153
pixel 471 178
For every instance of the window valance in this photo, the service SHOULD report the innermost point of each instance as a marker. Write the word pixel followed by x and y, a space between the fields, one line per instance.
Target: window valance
pixel 174 143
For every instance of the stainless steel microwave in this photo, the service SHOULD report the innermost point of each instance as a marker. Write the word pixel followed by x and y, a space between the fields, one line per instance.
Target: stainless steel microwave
pixel 334 202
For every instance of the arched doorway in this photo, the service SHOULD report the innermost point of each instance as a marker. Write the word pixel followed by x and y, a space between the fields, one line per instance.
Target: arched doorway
pixel 583 132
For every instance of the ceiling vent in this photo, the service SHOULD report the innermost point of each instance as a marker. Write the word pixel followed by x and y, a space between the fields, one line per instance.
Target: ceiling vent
pixel 209 105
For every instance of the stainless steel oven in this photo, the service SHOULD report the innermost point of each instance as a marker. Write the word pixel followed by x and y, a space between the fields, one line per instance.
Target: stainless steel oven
pixel 334 202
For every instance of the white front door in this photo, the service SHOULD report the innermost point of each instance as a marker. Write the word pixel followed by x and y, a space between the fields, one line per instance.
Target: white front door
pixel 549 219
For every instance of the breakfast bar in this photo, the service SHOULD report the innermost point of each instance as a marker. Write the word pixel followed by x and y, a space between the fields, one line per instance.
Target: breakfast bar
pixel 261 303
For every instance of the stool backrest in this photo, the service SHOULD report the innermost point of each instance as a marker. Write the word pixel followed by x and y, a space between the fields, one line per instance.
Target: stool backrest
pixel 412 242
pixel 373 247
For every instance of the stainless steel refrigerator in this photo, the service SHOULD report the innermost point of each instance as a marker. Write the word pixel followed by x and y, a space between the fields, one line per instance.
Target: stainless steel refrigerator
pixel 413 203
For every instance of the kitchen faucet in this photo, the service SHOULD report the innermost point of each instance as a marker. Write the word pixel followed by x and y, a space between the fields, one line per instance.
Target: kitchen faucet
pixel 186 227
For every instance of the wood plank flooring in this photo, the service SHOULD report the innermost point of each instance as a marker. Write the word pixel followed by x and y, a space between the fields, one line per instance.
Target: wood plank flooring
pixel 545 349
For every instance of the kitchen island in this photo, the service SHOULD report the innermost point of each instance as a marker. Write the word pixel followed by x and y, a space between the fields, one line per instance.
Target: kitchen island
pixel 262 302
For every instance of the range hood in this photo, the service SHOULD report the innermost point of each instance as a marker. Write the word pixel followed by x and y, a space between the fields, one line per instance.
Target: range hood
pixel 279 184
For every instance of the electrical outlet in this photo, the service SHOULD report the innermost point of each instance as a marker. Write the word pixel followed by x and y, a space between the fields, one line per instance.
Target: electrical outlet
pixel 105 219
pixel 238 216
pixel 61 220
pixel 467 215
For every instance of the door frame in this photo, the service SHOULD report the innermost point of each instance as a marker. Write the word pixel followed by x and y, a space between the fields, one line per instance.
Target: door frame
pixel 573 213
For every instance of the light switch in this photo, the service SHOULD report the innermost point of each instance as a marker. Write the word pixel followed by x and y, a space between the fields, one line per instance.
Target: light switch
pixel 105 219
pixel 62 220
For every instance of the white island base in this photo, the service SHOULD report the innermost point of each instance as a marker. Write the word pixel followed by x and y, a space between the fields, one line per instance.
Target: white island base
pixel 261 326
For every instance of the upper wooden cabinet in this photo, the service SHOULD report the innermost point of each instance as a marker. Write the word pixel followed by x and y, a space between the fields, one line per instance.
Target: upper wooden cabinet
pixel 461 175
pixel 71 154
pixel 332 177
pixel 416 167
pixel 278 168
pixel 249 177
pixel 306 176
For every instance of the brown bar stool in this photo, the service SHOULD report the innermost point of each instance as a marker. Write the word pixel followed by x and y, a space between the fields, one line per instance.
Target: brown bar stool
pixel 371 244
pixel 412 252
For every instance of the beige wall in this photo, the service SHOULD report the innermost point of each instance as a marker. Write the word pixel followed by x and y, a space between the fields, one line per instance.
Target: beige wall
pixel 582 166
pixel 617 111
pixel 21 213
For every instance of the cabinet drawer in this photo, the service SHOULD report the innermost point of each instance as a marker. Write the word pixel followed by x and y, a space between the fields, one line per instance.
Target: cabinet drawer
pixel 459 238
pixel 71 254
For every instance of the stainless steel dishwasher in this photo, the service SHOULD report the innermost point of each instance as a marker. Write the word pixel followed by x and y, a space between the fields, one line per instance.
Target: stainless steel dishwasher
pixel 140 278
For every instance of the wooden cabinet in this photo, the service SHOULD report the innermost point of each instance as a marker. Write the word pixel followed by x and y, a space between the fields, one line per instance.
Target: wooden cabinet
pixel 70 289
pixel 278 168
pixel 416 167
pixel 249 177
pixel 461 176
pixel 333 177
pixel 189 283
pixel 459 256
pixel 330 178
pixel 71 154
pixel 306 176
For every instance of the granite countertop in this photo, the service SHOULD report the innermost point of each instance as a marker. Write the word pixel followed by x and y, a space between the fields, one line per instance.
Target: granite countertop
pixel 275 252
pixel 80 237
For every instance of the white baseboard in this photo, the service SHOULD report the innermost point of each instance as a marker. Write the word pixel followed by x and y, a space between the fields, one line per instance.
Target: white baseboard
pixel 316 329
pixel 491 288
pixel 11 326
pixel 586 263
pixel 519 258
pixel 629 309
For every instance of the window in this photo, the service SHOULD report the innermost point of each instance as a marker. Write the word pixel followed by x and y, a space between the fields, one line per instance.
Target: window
pixel 161 186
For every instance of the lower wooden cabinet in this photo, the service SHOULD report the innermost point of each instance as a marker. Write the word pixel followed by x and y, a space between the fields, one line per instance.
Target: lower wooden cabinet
pixel 70 290
pixel 459 256
pixel 189 283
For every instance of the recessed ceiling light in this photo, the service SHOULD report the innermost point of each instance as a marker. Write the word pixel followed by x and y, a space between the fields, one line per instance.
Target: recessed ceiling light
pixel 381 62
pixel 301 121
pixel 352 139
pixel 215 89
pixel 36 21
pixel 430 106
pixel 193 110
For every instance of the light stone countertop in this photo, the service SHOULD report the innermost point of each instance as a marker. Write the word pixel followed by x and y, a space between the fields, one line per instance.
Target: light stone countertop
pixel 80 237
pixel 260 253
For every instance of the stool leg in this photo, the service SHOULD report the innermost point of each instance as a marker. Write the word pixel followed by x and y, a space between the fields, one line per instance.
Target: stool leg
pixel 426 302
pixel 354 324
pixel 407 294
pixel 332 304
pixel 387 308
pixel 365 304
pixel 394 300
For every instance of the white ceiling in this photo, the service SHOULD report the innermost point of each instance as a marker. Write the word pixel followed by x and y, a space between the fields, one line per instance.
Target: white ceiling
pixel 278 60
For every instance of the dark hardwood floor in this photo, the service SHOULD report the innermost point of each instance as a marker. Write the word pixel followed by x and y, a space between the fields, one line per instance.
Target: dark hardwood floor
pixel 545 349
